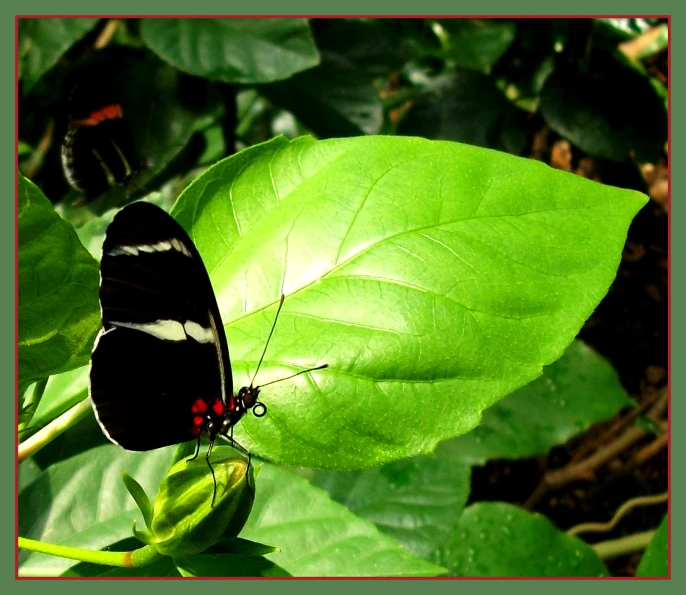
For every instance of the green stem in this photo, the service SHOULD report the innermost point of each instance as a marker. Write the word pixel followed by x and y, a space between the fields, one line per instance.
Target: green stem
pixel 625 545
pixel 53 429
pixel 139 557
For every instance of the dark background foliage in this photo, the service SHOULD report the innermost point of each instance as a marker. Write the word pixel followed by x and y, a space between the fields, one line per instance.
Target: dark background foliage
pixel 586 96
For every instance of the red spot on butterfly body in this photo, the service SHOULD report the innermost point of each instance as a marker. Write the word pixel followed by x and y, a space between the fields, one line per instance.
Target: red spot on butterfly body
pixel 232 403
pixel 218 406
pixel 198 421
pixel 199 406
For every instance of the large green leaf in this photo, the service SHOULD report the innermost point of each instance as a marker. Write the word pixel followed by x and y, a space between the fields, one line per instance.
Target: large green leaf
pixel 42 42
pixel 499 539
pixel 319 537
pixel 415 501
pixel 434 279
pixel 58 284
pixel 233 50
pixel 83 502
pixel 655 560
pixel 579 389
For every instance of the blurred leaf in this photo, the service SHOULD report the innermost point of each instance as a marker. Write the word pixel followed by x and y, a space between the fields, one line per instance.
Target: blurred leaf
pixel 251 111
pixel 476 44
pixel 341 96
pixel 215 146
pixel 81 437
pixel 228 565
pixel 415 501
pixel 331 100
pixel 233 50
pixel 647 425
pixel 83 502
pixel 468 108
pixel 284 123
pixel 420 272
pixel 655 560
pixel 24 149
pixel 318 537
pixel 58 284
pixel 28 403
pixel 62 392
pixel 28 472
pixel 607 114
pixel 372 47
pixel 42 41
pixel 499 539
pixel 579 389
pixel 92 233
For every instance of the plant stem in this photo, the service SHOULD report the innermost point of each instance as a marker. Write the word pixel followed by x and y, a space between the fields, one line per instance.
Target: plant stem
pixel 624 509
pixel 53 429
pixel 623 545
pixel 139 557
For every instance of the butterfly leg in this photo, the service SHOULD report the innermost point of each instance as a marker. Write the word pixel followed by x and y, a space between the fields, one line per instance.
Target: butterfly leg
pixel 247 452
pixel 238 446
pixel 197 450
pixel 214 479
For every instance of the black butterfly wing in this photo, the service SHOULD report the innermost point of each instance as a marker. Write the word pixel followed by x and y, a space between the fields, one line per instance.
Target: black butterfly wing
pixel 162 347
pixel 98 151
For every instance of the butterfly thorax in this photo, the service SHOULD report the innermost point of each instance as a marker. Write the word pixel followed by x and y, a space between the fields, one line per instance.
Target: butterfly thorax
pixel 237 406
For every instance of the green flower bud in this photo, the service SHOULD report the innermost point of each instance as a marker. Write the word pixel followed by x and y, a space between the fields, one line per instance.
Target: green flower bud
pixel 184 521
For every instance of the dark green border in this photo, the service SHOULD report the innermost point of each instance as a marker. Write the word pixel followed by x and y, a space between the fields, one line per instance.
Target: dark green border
pixel 301 7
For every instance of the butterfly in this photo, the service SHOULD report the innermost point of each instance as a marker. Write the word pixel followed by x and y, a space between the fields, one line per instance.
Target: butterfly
pixel 160 371
pixel 98 151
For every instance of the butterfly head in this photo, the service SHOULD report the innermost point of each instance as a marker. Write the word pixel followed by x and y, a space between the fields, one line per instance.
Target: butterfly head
pixel 247 397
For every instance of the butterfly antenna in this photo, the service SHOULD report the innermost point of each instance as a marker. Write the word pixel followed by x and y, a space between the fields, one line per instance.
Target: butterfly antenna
pixel 294 375
pixel 268 339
